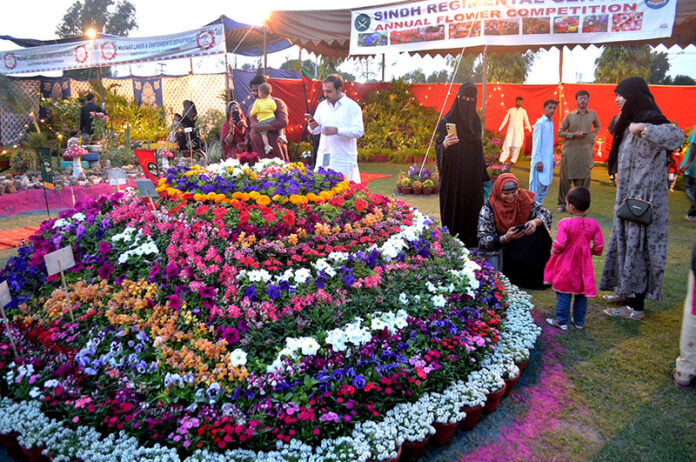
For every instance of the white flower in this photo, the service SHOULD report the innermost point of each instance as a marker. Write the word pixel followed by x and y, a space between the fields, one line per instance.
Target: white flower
pixel 60 223
pixel 238 358
pixel 35 392
pixel 79 216
pixel 439 301
pixel 309 346
pixel 403 298
pixel 302 275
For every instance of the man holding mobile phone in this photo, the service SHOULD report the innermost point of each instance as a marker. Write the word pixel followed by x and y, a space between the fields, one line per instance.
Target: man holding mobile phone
pixel 578 130
pixel 339 121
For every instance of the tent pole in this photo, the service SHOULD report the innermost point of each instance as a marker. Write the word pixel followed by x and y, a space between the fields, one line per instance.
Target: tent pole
pixel 227 66
pixel 265 51
pixel 484 85
pixel 383 66
pixel 191 64
pixel 560 88
pixel 101 90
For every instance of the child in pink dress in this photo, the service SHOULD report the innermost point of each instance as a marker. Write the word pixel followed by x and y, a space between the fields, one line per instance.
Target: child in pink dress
pixel 570 270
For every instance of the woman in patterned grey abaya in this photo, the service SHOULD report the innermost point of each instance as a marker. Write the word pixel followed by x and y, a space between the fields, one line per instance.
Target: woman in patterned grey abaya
pixel 462 167
pixel 637 253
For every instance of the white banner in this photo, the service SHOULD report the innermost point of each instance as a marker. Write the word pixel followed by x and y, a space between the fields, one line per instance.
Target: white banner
pixel 438 24
pixel 105 51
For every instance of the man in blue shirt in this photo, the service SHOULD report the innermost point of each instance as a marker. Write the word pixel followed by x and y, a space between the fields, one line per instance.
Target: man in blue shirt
pixel 541 172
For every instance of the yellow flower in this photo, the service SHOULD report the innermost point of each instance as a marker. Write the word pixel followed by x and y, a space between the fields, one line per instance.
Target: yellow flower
pixel 198 197
pixel 277 198
pixel 237 195
pixel 211 196
pixel 263 200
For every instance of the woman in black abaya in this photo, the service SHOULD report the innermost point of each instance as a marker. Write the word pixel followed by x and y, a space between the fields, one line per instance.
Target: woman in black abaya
pixel 462 167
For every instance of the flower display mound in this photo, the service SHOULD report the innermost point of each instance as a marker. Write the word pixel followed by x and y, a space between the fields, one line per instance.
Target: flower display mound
pixel 251 313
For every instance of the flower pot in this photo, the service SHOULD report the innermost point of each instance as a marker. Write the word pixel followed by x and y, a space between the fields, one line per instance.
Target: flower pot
pixel 473 414
pixel 9 440
pixel 395 459
pixel 493 400
pixel 443 433
pixel 522 366
pixel 417 190
pixel 34 454
pixel 407 190
pixel 4 164
pixel 436 189
pixel 412 450
pixel 427 191
pixel 510 383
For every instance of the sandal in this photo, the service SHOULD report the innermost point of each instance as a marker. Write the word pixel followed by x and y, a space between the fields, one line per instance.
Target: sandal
pixel 625 312
pixel 554 323
pixel 682 384
pixel 614 298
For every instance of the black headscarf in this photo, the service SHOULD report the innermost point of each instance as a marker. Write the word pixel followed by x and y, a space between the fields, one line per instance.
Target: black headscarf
pixel 640 106
pixel 463 114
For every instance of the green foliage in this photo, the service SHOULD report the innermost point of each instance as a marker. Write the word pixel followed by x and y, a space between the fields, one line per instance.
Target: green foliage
pixel 214 152
pixel 416 76
pixel 619 62
pixel 507 67
pixel 23 160
pixel 659 68
pixel 13 99
pixel 210 124
pixel 107 16
pixel 468 70
pixel 680 79
pixel 63 115
pixel 122 155
pixel 395 120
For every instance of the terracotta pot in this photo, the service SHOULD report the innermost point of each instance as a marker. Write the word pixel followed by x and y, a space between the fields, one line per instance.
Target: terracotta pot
pixel 522 366
pixel 400 188
pixel 407 190
pixel 9 440
pixel 493 400
pixel 427 191
pixel 510 383
pixel 417 190
pixel 473 414
pixel 395 459
pixel 4 163
pixel 436 189
pixel 413 450
pixel 379 158
pixel 443 433
pixel 34 454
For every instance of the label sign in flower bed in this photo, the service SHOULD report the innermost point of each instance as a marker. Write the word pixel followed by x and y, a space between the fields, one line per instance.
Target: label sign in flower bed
pixel 256 313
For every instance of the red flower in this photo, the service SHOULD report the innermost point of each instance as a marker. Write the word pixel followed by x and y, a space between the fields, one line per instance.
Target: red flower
pixel 360 205
pixel 202 210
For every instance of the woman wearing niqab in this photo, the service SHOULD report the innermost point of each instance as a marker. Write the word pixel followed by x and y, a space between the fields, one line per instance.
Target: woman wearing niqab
pixel 637 253
pixel 462 167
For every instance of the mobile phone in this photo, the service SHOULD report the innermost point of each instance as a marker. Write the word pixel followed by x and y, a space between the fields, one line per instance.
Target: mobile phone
pixel 308 116
pixel 451 129
pixel 519 228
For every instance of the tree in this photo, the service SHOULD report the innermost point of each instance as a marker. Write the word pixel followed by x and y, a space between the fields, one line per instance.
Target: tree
pixel 438 77
pixel 659 66
pixel 619 62
pixel 507 67
pixel 682 79
pixel 107 16
pixel 467 71
pixel 416 76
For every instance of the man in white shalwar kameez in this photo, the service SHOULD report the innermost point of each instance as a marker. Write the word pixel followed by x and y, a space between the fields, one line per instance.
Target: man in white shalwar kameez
pixel 340 122
pixel 517 120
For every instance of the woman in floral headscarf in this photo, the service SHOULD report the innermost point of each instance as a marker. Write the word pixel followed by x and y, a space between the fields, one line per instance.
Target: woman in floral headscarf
pixel 512 221
pixel 637 253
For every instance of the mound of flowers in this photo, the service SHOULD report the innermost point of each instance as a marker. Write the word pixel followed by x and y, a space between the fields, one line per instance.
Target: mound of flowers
pixel 254 313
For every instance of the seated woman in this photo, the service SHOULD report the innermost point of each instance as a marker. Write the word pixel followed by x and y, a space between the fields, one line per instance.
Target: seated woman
pixel 510 220
pixel 233 132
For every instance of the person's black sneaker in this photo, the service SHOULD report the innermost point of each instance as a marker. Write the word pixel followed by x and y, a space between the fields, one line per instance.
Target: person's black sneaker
pixel 560 209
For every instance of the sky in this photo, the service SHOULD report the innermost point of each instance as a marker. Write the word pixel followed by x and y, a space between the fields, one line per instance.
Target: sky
pixel 39 18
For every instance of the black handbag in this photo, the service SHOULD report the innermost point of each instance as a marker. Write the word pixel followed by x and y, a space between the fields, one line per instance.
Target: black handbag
pixel 635 210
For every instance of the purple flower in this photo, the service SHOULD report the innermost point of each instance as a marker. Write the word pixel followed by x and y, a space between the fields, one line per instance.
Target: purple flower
pixel 359 382
pixel 104 247
pixel 171 271
pixel 105 271
pixel 273 291
pixel 207 292
pixel 154 271
pixel 80 232
pixel 250 292
pixel 228 333
pixel 175 302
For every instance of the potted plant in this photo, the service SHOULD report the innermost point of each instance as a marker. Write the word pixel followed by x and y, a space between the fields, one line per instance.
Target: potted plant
pixel 414 426
pixel 428 186
pixel 448 412
pixel 417 187
pixel 405 185
pixel 380 439
pixel 490 381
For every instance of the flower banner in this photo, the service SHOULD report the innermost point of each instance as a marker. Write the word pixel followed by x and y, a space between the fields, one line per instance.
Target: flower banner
pixel 108 50
pixel 435 24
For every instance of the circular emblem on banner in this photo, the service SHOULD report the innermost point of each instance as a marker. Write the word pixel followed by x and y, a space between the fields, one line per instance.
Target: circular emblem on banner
pixel 656 4
pixel 152 168
pixel 362 22
pixel 205 40
pixel 81 54
pixel 108 50
pixel 10 60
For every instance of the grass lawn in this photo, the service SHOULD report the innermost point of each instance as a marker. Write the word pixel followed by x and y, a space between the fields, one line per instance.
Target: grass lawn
pixel 604 393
